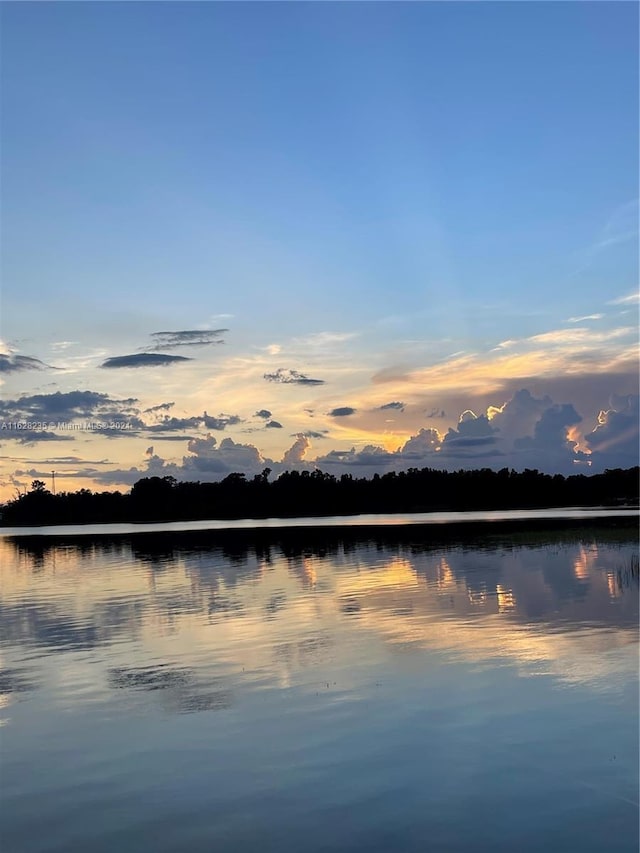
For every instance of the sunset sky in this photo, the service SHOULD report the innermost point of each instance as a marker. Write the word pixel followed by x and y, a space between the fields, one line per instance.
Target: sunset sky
pixel 355 236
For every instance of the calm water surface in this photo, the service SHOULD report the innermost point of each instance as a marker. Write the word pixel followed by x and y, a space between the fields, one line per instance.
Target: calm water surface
pixel 396 692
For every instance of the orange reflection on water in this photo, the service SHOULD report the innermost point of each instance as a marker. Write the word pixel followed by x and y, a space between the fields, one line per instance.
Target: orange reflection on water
pixel 585 561
pixel 506 599
pixel 612 584
pixel 445 578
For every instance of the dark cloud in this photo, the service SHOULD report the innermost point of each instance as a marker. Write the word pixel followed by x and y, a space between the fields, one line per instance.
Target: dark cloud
pixel 161 407
pixel 75 412
pixel 464 441
pixel 72 460
pixel 472 433
pixel 35 436
pixel 388 406
pixel 550 432
pixel 263 413
pixel 370 455
pixel 437 413
pixel 221 421
pixel 217 460
pixel 309 433
pixel 342 412
pixel 291 377
pixel 147 359
pixel 186 338
pixel 172 437
pixel 273 425
pixel 170 424
pixel 614 441
pixel 67 406
pixel 63 410
pixel 20 363
pixel 209 461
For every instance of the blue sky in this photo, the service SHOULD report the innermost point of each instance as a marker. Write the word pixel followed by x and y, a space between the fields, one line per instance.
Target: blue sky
pixel 357 192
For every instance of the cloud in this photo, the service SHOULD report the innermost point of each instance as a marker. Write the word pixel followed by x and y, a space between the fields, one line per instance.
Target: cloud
pixel 323 339
pixel 621 227
pixel 20 363
pixel 49 411
pixel 437 413
pixel 297 451
pixel 368 461
pixel 312 433
pixel 263 413
pixel 474 436
pixel 67 406
pixel 29 437
pixel 221 422
pixel 524 432
pixel 586 317
pixel 423 445
pixel 207 461
pixel 291 377
pixel 210 461
pixel 168 424
pixel 550 445
pixel 342 412
pixel 172 424
pixel 614 441
pixel 519 415
pixel 395 405
pixel 161 407
pixel 577 351
pixel 72 407
pixel 186 338
pixel 209 458
pixel 630 299
pixel 143 360
pixel 69 460
pixel 273 425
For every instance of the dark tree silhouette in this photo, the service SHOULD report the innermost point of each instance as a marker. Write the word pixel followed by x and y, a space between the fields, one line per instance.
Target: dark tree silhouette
pixel 318 493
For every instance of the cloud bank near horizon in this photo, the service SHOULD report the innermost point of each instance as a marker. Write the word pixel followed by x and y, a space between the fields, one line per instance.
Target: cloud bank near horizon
pixel 525 432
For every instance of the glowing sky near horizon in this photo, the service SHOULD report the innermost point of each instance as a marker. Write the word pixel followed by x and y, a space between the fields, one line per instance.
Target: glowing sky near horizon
pixel 336 229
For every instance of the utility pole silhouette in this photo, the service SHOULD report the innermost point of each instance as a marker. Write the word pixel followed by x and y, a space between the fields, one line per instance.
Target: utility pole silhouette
pixel 53 481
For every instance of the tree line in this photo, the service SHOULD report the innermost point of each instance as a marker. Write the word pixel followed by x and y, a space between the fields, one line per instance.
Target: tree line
pixel 316 493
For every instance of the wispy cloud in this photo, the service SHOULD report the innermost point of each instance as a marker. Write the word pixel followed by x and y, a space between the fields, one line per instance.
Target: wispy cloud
pixel 291 377
pixel 621 227
pixel 185 338
pixel 21 363
pixel 143 360
pixel 585 317
pixel 630 299
pixel 161 407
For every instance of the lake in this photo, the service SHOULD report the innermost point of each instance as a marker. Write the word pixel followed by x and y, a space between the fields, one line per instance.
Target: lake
pixel 399 689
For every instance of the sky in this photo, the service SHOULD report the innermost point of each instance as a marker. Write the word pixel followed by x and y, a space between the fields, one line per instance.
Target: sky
pixel 360 237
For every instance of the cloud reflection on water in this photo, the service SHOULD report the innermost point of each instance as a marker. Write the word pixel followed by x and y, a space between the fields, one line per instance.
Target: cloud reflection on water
pixel 206 617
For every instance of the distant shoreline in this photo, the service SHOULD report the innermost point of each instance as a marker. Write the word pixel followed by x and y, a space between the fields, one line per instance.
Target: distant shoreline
pixel 349 525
